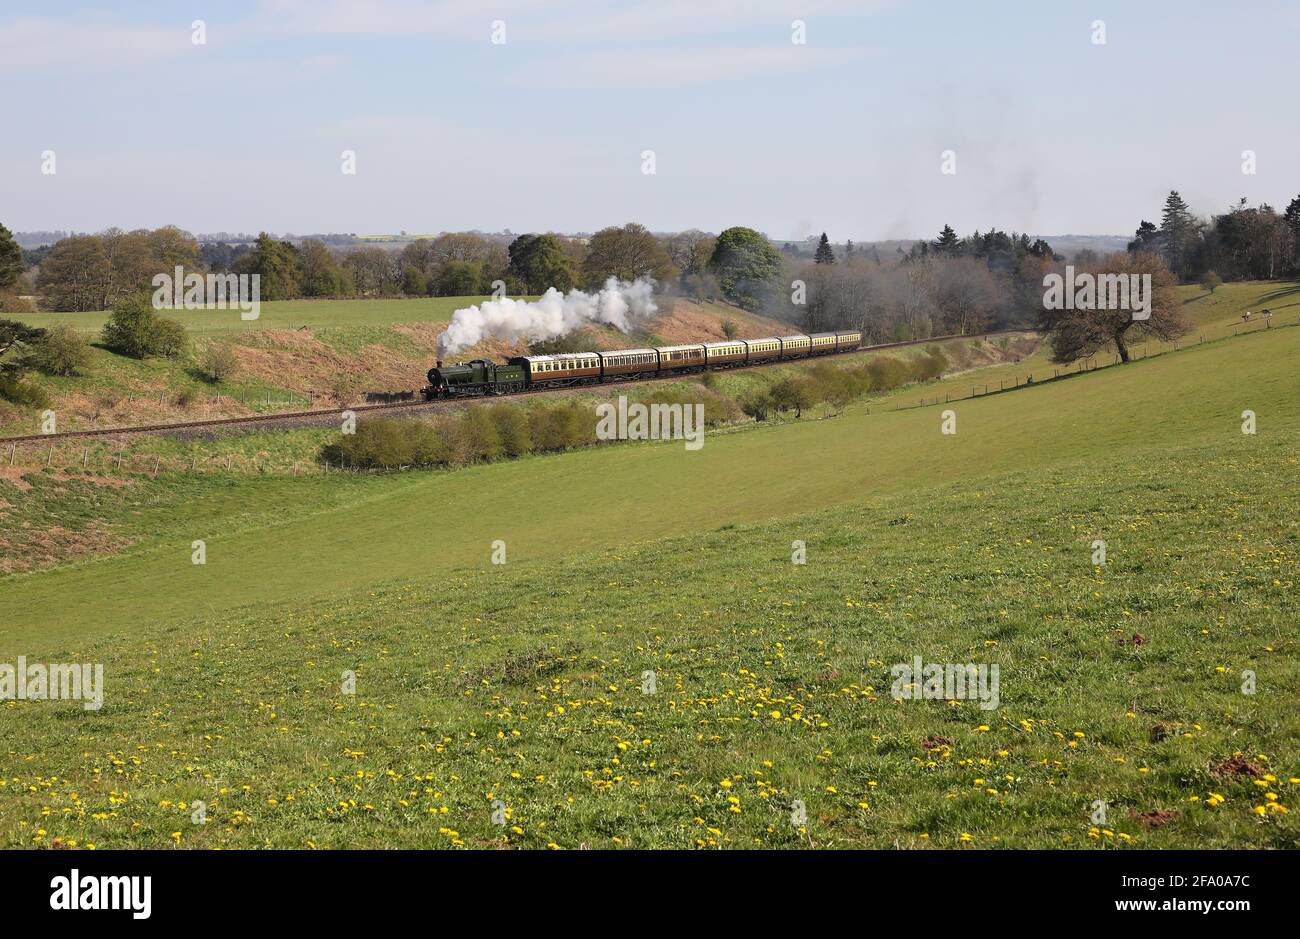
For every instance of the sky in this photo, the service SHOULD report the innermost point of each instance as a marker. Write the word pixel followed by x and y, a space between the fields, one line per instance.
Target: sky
pixel 1050 131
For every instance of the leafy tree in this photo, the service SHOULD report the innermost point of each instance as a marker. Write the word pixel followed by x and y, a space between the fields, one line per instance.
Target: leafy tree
pixel 457 279
pixel 278 265
pixel 414 283
pixel 1211 281
pixel 626 253
pixel 170 247
pixel 825 254
pixel 11 259
pixel 746 265
pixel 73 275
pixel 540 262
pixel 319 272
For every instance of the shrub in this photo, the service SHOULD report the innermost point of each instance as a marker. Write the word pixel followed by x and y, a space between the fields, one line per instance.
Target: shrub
pixel 931 365
pixel 794 394
pixel 756 404
pixel 134 330
pixel 386 443
pixel 888 372
pixel 834 386
pixel 169 338
pixel 562 427
pixel 22 393
pixel 475 437
pixel 512 429
pixel 218 363
pixel 718 408
pixel 343 388
pixel 61 351
pixel 12 302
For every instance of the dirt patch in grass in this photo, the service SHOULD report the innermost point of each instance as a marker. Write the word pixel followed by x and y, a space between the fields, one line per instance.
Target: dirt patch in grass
pixel 28 548
pixel 14 476
pixel 112 482
pixel 519 668
pixel 689 321
pixel 1236 768
pixel 1155 818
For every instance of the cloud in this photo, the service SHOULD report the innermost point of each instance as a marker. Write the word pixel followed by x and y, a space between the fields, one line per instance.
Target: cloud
pixel 660 67
pixel 44 43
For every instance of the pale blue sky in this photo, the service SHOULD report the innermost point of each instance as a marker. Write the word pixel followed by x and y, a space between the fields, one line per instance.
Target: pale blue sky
pixel 1053 134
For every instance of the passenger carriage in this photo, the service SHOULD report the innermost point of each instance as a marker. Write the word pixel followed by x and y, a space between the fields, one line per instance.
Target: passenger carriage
pixel 727 354
pixel 625 364
pixel 794 347
pixel 681 358
pixel 844 341
pixel 821 343
pixel 568 368
pixel 762 349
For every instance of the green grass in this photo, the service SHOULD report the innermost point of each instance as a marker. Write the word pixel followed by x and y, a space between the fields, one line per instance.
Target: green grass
pixel 521 682
pixel 359 530
pixel 285 314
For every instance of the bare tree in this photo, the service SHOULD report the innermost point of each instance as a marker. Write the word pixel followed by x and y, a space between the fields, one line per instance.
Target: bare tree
pixel 1083 327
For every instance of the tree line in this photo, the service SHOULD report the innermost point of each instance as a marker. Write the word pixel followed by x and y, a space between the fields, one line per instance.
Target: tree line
pixel 1244 243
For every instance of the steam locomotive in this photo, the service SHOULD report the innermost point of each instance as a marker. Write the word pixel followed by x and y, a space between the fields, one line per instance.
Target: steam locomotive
pixel 525 372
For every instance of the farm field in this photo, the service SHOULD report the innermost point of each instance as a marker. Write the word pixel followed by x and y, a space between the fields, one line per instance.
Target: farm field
pixel 522 682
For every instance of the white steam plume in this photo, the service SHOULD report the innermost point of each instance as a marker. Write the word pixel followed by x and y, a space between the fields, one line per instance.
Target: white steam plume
pixel 618 303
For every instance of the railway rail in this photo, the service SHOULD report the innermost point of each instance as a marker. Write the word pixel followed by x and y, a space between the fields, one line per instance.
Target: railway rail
pixel 306 418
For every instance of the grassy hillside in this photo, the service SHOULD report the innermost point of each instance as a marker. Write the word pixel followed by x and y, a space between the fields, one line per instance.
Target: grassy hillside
pixel 522 682
pixel 306 353
pixel 285 314
pixel 389 526
pixel 300 354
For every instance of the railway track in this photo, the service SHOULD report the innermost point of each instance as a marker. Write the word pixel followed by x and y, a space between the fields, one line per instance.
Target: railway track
pixel 321 415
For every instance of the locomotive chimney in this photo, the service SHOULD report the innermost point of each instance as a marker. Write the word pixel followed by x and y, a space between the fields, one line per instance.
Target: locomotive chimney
pixel 439 364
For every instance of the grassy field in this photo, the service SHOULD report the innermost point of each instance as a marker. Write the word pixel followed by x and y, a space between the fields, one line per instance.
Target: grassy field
pixel 285 314
pixel 520 686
